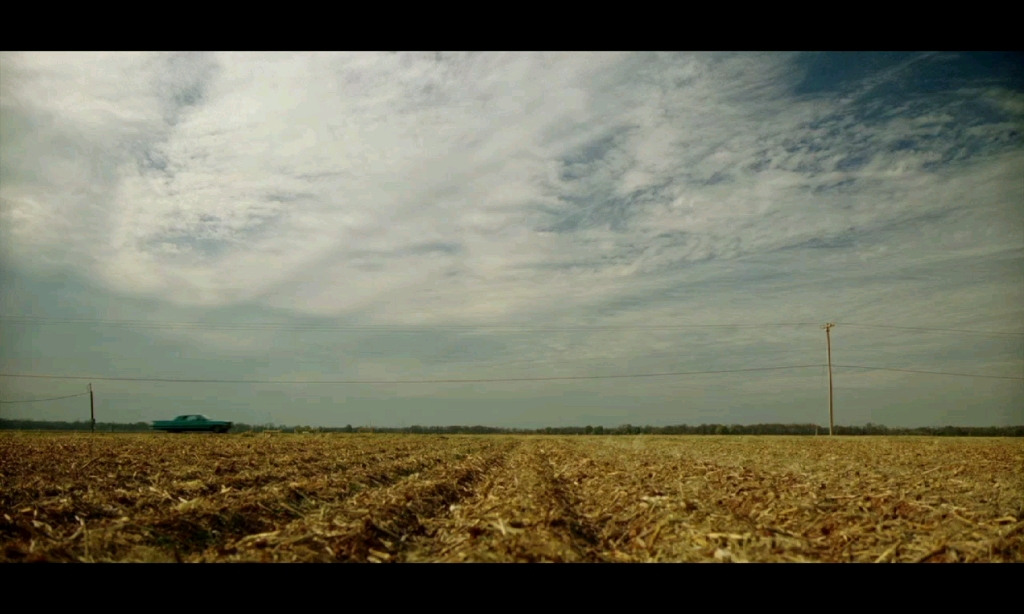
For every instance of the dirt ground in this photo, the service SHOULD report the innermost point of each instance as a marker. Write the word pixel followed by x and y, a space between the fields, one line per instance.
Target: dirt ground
pixel 424 498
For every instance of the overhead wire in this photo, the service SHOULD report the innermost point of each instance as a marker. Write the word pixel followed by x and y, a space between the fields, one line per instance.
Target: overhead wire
pixel 423 326
pixel 488 379
pixel 50 399
pixel 922 328
pixel 380 327
pixel 928 372
pixel 428 381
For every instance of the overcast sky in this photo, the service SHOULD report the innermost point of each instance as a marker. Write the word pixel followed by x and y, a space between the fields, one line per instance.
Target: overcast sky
pixel 403 208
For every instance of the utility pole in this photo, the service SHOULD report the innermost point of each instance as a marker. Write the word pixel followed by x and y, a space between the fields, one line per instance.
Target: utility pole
pixel 828 344
pixel 92 412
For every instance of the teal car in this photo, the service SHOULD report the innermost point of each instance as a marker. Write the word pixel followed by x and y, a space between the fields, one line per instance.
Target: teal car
pixel 191 423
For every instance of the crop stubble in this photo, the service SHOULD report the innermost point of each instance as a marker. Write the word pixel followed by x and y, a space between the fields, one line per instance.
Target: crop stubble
pixel 393 498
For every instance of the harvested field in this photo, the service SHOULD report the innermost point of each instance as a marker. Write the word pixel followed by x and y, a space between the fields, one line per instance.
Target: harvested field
pixel 409 498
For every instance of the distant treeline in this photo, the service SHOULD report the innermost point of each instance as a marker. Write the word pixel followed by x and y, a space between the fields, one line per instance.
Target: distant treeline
pixel 625 429
pixel 107 427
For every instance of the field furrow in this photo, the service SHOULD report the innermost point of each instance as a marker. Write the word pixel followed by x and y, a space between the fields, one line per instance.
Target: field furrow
pixel 176 514
pixel 522 511
pixel 393 498
pixel 375 525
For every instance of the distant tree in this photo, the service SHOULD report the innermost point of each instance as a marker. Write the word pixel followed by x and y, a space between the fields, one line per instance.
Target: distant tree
pixel 625 429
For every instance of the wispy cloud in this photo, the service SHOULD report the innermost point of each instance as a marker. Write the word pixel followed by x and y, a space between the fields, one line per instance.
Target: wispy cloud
pixel 482 188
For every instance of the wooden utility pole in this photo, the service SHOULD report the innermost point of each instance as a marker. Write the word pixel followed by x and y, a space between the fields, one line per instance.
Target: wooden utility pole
pixel 92 412
pixel 828 344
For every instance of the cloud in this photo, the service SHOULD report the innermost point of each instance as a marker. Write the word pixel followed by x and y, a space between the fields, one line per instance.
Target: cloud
pixel 436 189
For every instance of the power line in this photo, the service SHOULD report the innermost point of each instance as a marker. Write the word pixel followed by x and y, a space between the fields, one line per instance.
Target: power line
pixel 80 394
pixel 945 330
pixel 376 327
pixel 929 372
pixel 475 380
pixel 122 321
pixel 432 381
pixel 414 327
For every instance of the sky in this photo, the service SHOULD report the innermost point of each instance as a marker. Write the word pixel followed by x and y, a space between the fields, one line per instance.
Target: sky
pixel 295 217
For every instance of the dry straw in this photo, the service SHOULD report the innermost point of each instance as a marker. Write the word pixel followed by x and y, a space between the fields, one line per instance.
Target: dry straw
pixel 394 498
